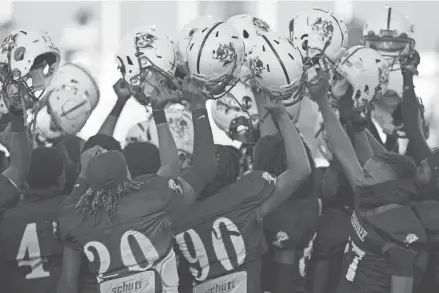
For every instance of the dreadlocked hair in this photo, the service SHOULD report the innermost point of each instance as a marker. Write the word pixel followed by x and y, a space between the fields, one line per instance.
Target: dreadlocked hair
pixel 107 199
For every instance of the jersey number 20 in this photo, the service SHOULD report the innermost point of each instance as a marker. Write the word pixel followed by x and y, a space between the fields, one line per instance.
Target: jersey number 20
pixel 358 256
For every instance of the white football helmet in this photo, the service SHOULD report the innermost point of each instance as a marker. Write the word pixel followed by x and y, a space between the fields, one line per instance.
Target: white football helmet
pixel 237 114
pixel 367 72
pixel 277 68
pixel 71 98
pixel 320 36
pixel 215 56
pixel 139 132
pixel 146 59
pixel 391 34
pixel 28 61
pixel 249 27
pixel 184 36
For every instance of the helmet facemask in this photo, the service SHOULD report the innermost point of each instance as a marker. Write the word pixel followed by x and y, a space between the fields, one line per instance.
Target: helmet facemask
pixel 395 49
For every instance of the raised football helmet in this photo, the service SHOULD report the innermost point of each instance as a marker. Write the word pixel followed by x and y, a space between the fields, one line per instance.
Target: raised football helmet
pixel 391 34
pixel 249 27
pixel 321 37
pixel 68 104
pixel 215 56
pixel 237 114
pixel 367 72
pixel 147 60
pixel 139 132
pixel 184 36
pixel 28 61
pixel 277 68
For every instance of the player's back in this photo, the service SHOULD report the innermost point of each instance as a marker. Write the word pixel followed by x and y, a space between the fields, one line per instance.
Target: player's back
pixel 30 250
pixel 428 213
pixel 222 237
pixel 383 242
pixel 134 252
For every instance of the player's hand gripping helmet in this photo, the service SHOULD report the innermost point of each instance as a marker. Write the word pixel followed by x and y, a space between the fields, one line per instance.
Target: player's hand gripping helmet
pixel 277 68
pixel 367 72
pixel 147 61
pixel 248 26
pixel 391 34
pixel 184 37
pixel 237 114
pixel 28 61
pixel 215 55
pixel 71 98
pixel 321 37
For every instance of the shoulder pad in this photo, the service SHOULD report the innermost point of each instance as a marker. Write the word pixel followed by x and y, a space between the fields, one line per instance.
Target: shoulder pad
pixel 399 223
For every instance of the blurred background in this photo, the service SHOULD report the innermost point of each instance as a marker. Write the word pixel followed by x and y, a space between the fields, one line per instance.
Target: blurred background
pixel 89 33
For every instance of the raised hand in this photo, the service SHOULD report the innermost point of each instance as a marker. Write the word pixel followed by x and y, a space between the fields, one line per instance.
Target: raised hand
pixel 193 92
pixel 121 88
pixel 411 63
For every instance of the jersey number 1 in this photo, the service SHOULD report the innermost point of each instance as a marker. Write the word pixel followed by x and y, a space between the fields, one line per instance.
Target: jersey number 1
pixel 30 244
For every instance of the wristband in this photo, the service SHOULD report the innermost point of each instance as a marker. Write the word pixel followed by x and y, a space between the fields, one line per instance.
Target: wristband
pixel 117 109
pixel 407 78
pixel 17 123
pixel 159 117
pixel 199 113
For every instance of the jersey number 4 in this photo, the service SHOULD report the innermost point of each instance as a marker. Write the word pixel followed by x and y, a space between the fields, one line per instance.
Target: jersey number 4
pixel 358 256
pixel 30 245
pixel 199 261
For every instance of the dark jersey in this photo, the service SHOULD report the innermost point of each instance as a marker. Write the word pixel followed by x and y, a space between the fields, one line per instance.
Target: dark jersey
pixel 222 238
pixel 134 252
pixel 9 194
pixel 428 213
pixel 383 242
pixel 291 226
pixel 329 245
pixel 30 250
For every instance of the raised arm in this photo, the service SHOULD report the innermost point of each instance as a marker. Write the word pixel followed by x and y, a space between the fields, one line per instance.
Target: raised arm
pixel 411 111
pixel 170 162
pixel 266 122
pixel 123 95
pixel 204 164
pixel 298 165
pixel 20 151
pixel 337 137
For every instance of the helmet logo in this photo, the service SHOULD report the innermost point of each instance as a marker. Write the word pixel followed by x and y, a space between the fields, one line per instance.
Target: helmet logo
pixel 178 126
pixel 256 67
pixel 261 24
pixel 323 28
pixel 225 54
pixel 9 43
pixel 144 40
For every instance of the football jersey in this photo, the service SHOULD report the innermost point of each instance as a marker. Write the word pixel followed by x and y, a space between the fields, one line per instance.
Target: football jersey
pixel 30 248
pixel 383 242
pixel 9 194
pixel 332 235
pixel 134 252
pixel 291 226
pixel 428 213
pixel 222 238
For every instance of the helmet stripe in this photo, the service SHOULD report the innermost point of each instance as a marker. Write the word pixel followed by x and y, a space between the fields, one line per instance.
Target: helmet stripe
pixel 204 42
pixel 278 58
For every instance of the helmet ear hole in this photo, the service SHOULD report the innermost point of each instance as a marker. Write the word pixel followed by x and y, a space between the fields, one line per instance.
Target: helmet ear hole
pixel 19 54
pixel 245 34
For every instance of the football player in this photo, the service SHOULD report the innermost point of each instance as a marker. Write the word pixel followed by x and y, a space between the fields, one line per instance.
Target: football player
pixel 290 227
pixel 221 237
pixel 142 158
pixel 386 236
pixel 133 209
pixel 30 252
pixel 18 50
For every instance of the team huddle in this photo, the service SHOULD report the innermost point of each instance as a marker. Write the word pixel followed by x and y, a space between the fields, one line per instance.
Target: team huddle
pixel 173 212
